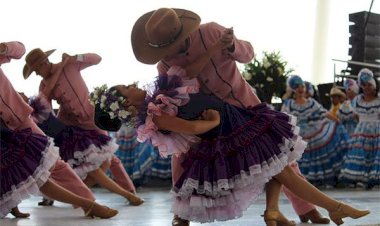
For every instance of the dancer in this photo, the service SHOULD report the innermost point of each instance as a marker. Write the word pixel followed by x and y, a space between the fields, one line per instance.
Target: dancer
pixel 337 97
pixel 29 159
pixel 84 146
pixel 231 152
pixel 141 160
pixel 153 42
pixel 327 138
pixel 346 113
pixel 362 160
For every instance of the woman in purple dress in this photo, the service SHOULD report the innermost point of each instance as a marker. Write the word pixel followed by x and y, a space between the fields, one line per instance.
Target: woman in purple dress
pixel 232 154
pixel 28 158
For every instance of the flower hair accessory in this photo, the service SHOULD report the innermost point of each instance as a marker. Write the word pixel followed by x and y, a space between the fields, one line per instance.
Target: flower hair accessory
pixel 294 81
pixel 351 84
pixel 366 76
pixel 109 102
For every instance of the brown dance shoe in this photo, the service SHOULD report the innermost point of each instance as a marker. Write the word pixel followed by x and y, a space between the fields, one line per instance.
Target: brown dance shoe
pixel 177 221
pixel 275 217
pixel 344 210
pixel 96 210
pixel 16 213
pixel 315 217
pixel 46 202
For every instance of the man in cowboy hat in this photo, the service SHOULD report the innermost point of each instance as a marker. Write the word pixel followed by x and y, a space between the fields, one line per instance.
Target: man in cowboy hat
pixel 337 97
pixel 170 36
pixel 63 82
pixel 15 113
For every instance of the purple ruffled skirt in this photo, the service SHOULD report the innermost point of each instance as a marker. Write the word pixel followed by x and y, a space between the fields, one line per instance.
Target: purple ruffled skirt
pixel 226 172
pixel 25 161
pixel 84 150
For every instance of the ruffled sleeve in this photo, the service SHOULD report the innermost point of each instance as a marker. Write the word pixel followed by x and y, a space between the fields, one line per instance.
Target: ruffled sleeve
pixel 41 108
pixel 171 143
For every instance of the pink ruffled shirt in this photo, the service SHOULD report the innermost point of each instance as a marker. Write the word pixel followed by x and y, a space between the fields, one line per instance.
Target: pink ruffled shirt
pixel 72 94
pixel 220 76
pixel 13 109
pixel 173 143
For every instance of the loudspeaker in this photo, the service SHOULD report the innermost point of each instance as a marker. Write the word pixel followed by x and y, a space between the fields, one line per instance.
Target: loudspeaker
pixel 364 40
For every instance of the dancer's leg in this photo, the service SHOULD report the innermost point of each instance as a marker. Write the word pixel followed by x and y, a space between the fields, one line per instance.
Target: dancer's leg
pixel 272 192
pixel 272 214
pixel 89 181
pixel 65 176
pixel 91 208
pixel 121 176
pixel 305 210
pixel 56 192
pixel 177 171
pixel 308 192
pixel 305 190
pixel 103 180
pixel 300 206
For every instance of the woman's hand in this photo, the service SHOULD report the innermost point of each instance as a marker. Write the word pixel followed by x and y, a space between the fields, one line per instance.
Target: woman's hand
pixel 208 120
pixel 212 116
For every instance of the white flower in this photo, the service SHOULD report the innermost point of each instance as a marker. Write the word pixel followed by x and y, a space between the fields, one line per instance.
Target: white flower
pixel 103 98
pixel 112 115
pixel 114 106
pixel 247 76
pixel 266 63
pixel 261 85
pixel 102 105
pixel 124 114
pixel 269 79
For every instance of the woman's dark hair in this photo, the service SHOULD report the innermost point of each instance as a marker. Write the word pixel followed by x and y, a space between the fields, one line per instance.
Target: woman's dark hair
pixel 104 121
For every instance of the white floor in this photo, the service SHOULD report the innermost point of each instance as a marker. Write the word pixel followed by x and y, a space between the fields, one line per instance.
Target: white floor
pixel 156 210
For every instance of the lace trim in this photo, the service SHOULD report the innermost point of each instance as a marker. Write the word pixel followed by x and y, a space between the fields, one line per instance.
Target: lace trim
pixel 32 184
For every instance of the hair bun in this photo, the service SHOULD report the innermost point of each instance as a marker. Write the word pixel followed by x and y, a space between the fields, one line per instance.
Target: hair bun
pixel 104 121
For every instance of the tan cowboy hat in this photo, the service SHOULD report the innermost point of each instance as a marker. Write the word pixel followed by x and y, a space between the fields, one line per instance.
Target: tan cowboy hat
pixel 155 33
pixel 337 92
pixel 33 59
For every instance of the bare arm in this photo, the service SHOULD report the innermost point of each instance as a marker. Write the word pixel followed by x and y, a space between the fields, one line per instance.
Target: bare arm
pixel 330 116
pixel 211 119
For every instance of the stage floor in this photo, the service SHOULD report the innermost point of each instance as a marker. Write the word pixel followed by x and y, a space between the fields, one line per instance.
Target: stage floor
pixel 156 210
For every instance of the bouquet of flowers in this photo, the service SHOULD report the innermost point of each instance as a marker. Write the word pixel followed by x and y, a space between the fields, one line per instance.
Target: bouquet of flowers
pixel 267 76
pixel 109 102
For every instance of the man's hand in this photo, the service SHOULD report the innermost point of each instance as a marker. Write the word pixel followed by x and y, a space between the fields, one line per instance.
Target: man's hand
pixel 3 49
pixel 227 39
pixel 66 58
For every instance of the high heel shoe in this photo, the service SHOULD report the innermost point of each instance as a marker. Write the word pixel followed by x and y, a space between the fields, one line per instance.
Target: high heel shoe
pixel 97 210
pixel 344 210
pixel 275 218
pixel 315 217
pixel 16 213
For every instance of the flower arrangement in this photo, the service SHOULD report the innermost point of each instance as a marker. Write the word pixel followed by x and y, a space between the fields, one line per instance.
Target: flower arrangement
pixel 109 102
pixel 267 76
